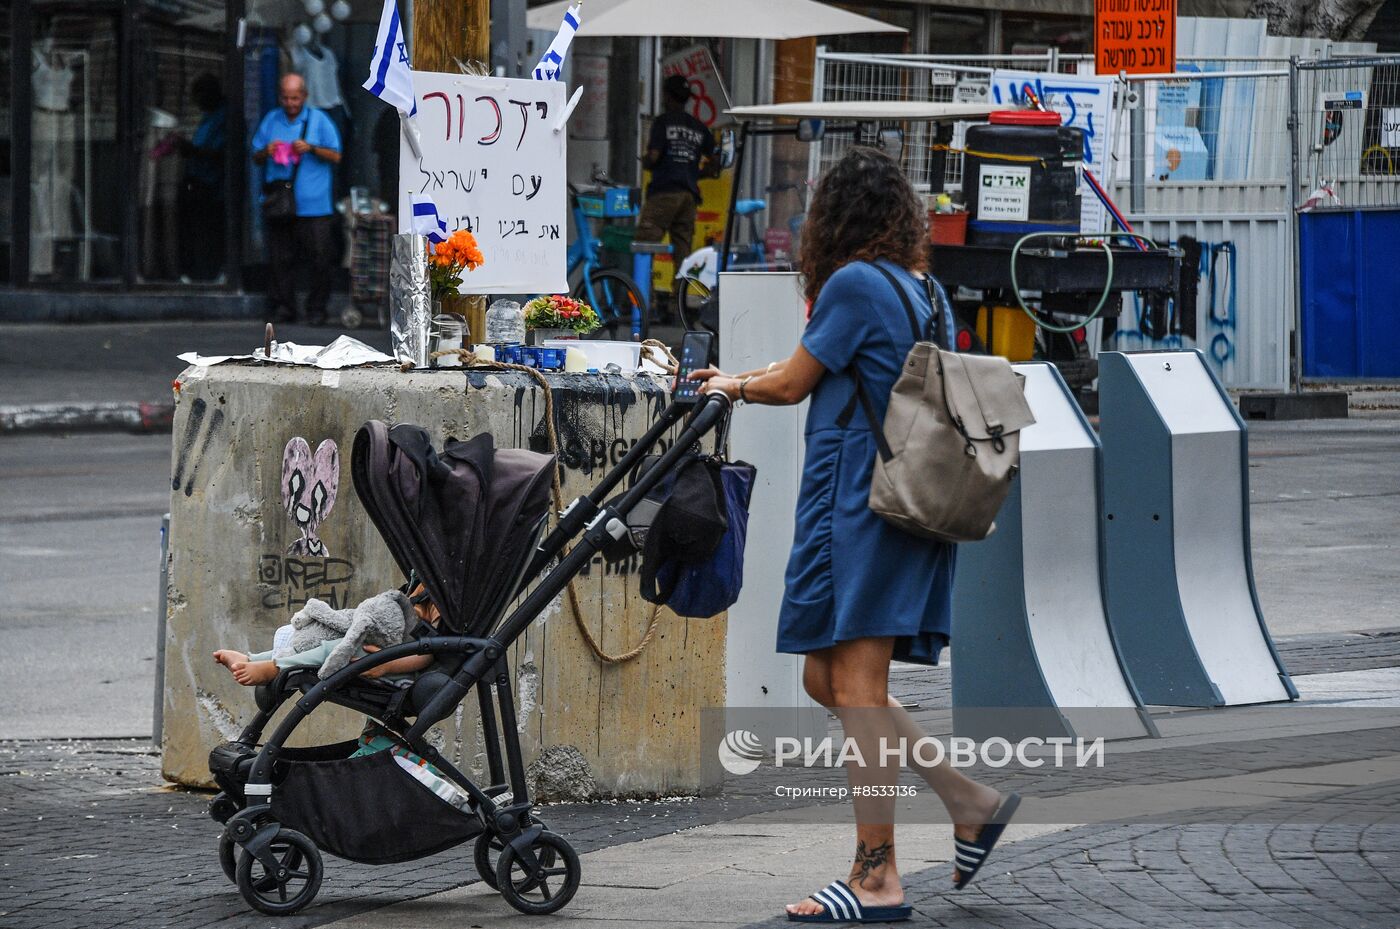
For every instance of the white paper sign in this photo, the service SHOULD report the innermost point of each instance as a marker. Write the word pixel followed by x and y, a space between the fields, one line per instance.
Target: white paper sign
pixel 1005 193
pixel 1083 101
pixel 1390 127
pixel 494 166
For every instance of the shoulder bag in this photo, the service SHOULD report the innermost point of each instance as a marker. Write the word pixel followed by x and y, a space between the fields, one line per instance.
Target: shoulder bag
pixel 949 445
pixel 279 202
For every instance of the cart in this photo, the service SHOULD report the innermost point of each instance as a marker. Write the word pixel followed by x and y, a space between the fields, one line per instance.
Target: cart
pixel 1066 276
pixel 371 238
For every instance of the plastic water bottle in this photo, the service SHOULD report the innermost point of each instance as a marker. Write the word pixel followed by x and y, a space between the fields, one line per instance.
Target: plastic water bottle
pixel 505 323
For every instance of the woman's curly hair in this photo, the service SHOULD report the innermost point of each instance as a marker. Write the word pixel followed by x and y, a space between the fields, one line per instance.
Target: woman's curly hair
pixel 864 208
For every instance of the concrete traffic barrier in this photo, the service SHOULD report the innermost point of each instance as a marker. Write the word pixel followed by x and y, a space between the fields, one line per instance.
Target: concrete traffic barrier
pixel 1181 594
pixel 243 558
pixel 1032 650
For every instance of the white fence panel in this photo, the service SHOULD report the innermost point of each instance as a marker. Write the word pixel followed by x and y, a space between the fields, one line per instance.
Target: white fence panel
pixel 1244 298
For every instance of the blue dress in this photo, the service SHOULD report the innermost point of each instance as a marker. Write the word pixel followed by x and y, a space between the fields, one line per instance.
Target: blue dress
pixel 851 575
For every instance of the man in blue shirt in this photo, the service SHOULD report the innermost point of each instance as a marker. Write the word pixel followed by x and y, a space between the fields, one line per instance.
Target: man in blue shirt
pixel 301 140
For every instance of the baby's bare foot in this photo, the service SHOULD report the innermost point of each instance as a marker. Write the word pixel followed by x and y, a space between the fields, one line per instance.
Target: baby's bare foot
pixel 229 658
pixel 253 673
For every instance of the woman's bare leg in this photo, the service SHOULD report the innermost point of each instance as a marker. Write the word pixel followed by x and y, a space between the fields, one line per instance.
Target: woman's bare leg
pixel 851 679
pixel 969 803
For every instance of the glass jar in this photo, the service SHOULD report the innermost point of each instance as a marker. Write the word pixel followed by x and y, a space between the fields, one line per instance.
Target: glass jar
pixel 446 333
pixel 505 323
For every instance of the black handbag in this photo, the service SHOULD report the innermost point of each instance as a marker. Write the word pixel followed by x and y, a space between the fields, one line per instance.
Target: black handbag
pixel 279 202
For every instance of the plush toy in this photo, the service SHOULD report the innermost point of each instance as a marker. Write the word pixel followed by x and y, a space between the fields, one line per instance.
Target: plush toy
pixel 382 620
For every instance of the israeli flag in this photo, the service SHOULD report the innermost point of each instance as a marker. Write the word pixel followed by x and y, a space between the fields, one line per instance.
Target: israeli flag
pixel 390 75
pixel 425 218
pixel 552 64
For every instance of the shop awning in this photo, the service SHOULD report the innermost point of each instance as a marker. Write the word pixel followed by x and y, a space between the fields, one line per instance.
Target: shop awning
pixel 730 19
pixel 882 110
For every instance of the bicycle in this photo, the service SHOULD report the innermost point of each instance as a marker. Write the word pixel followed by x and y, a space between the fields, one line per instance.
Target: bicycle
pixel 620 303
pixel 697 302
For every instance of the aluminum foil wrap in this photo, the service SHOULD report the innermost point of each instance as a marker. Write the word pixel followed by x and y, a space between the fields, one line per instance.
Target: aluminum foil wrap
pixel 411 297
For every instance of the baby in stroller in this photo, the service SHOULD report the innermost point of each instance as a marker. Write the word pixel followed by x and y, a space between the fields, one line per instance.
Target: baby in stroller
pixel 466 522
pixel 333 653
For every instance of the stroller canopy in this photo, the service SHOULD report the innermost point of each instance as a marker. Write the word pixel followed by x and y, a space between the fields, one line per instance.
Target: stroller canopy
pixel 463 520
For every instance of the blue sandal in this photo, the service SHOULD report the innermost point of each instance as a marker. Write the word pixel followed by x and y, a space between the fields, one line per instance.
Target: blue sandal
pixel 839 905
pixel 970 856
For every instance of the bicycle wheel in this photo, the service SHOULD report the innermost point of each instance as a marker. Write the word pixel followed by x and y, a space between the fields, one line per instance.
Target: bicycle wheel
pixel 615 296
pixel 691 297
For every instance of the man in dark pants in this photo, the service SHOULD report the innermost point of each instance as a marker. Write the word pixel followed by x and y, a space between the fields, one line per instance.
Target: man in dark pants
pixel 679 150
pixel 301 139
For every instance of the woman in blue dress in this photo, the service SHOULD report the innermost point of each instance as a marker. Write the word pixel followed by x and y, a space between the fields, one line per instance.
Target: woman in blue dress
pixel 859 592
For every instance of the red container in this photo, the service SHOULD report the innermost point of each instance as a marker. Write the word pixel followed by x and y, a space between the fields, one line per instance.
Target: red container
pixel 947 228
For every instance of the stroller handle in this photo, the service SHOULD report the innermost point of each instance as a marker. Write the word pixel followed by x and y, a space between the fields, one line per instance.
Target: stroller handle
pixel 710 411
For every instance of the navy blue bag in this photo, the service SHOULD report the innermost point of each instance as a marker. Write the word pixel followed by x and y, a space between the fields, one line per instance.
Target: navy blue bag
pixel 708 587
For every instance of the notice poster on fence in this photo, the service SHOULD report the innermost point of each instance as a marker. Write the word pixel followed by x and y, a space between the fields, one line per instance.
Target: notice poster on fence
pixel 1083 101
pixel 494 165
pixel 1134 36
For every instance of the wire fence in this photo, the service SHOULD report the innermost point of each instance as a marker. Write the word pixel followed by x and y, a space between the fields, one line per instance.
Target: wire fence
pixel 1209 125
pixel 918 78
pixel 1225 127
pixel 1348 132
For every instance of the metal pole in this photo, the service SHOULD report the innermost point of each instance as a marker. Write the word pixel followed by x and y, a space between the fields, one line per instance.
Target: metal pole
pixel 1137 155
pixel 158 715
pixel 1295 372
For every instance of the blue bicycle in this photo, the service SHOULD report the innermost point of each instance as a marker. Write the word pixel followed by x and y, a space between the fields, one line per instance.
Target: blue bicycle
pixel 620 303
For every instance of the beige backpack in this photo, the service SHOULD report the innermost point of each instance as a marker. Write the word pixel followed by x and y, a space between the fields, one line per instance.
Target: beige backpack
pixel 950 444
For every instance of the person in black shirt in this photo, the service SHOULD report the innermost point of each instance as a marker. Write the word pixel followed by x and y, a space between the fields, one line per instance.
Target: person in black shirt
pixel 679 151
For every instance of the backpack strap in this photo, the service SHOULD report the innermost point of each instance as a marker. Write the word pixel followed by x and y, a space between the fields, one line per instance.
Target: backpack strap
pixel 921 333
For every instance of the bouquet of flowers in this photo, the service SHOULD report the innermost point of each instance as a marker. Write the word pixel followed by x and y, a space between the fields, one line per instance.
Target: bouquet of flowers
pixel 450 259
pixel 557 311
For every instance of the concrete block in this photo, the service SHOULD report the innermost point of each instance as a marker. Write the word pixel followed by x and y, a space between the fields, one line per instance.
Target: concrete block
pixel 234 576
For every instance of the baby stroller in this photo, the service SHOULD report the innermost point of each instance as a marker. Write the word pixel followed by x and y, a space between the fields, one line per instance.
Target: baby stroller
pixel 467 521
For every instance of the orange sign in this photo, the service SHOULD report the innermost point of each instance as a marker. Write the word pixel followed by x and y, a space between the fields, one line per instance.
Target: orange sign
pixel 1134 36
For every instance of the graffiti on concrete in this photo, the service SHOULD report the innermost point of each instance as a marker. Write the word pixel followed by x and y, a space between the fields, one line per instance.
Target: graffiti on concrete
pixel 309 485
pixel 288 582
pixel 194 443
pixel 1204 317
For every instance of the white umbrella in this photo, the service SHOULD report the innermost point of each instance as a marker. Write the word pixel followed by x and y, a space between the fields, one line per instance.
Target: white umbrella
pixel 729 19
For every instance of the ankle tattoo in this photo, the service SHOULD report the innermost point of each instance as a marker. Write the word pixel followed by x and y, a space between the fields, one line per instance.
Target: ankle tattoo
pixel 870 859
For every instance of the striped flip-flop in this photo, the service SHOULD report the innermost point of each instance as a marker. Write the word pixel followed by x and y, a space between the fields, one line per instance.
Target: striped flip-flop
pixel 970 856
pixel 839 905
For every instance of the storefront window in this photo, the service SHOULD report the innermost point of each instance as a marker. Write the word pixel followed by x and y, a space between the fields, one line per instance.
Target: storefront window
pixel 1029 35
pixel 183 141
pixel 7 179
pixel 331 49
pixel 76 189
pixel 957 32
pixel 877 42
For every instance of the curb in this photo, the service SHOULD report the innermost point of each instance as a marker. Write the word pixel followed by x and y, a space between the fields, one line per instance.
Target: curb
pixel 87 417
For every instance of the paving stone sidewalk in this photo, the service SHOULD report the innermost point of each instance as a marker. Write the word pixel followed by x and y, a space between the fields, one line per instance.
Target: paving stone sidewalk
pixel 1278 866
pixel 90 838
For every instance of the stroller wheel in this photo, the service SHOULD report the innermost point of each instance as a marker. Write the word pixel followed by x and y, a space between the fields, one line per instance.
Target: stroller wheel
pixel 488 849
pixel 289 888
pixel 488 855
pixel 227 849
pixel 544 881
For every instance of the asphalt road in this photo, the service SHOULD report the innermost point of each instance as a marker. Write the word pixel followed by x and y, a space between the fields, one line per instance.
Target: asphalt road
pixel 79 575
pixel 80 536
